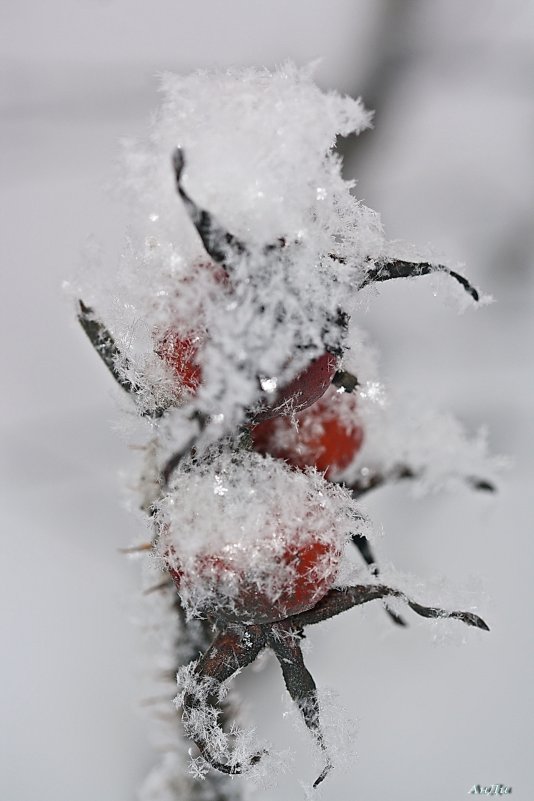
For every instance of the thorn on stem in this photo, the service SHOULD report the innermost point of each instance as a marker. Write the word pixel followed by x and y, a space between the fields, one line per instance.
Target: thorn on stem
pixel 145 546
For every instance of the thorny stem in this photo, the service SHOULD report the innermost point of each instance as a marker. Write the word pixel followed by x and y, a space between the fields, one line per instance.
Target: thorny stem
pixel 193 637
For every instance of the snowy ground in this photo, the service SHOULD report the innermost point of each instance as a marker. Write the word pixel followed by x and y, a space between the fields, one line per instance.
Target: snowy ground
pixel 450 163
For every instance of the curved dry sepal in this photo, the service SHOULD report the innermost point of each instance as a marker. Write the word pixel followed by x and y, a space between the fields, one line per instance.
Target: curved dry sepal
pixel 105 345
pixel 218 242
pixel 399 268
pixel 232 649
pixel 469 618
pixel 103 342
pixel 481 484
pixel 283 640
pixel 371 479
pixel 340 600
pixel 364 547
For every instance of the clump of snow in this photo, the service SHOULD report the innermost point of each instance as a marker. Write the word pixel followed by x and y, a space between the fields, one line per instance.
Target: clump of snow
pixel 238 528
pixel 259 157
pixel 259 149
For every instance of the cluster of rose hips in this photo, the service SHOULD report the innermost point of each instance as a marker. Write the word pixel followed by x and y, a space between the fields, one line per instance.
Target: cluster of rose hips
pixel 307 423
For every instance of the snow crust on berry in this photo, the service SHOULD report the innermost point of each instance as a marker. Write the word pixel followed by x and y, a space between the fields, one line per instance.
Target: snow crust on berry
pixel 228 524
pixel 258 149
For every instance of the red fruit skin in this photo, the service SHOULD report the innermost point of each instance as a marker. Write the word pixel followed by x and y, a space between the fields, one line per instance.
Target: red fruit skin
pixel 320 439
pixel 180 353
pixel 303 390
pixel 303 574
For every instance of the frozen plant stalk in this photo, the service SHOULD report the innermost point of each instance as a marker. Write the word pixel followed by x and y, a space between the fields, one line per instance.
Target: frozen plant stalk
pixel 230 307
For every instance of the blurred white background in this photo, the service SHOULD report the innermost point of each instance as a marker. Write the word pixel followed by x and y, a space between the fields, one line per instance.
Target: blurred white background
pixel 450 163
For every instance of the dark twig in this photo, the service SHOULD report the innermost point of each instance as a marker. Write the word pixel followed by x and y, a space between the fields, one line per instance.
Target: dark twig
pixel 220 244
